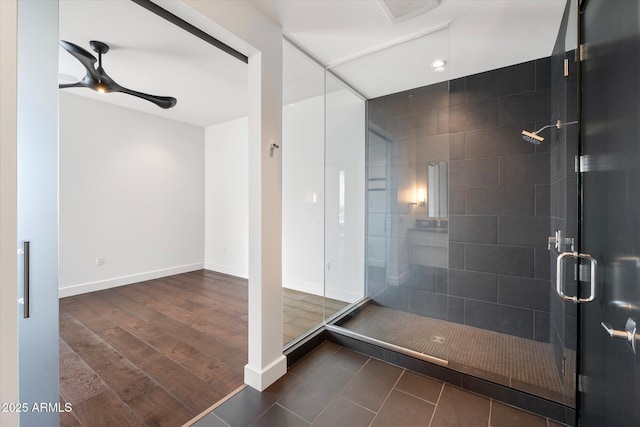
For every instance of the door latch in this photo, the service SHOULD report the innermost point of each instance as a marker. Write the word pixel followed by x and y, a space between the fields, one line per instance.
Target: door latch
pixel 629 333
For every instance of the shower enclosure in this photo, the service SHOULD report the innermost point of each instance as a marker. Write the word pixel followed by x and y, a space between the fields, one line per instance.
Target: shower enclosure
pixel 438 216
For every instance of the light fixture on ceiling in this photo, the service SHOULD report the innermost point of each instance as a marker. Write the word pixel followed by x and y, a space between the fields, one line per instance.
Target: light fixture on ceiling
pixel 98 79
pixel 401 10
pixel 438 65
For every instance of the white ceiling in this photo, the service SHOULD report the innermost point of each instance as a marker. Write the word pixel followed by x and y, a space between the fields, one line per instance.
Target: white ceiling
pixel 375 56
pixel 151 55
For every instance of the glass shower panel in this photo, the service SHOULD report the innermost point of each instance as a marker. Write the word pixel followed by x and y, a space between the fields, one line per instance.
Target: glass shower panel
pixel 344 158
pixel 408 222
pixel 302 193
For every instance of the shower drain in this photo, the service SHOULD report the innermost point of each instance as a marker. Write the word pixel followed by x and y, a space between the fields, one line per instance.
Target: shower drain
pixel 437 339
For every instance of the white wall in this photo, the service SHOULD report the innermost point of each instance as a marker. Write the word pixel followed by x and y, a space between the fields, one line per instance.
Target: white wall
pixel 302 177
pixel 345 151
pixel 131 192
pixel 226 228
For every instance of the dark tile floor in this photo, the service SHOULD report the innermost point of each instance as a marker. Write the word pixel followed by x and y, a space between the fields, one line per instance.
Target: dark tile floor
pixel 334 386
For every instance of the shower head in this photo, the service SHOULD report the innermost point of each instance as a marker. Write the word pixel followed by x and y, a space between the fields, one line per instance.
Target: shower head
pixel 532 137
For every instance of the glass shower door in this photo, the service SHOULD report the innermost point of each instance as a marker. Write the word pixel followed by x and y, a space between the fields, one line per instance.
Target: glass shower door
pixel 609 363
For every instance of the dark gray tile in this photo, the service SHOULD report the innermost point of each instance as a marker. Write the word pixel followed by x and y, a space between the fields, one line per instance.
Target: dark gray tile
pixel 507 416
pixel 431 149
pixel 541 326
pixel 395 297
pixel 474 116
pixel 474 173
pixel 494 142
pixel 517 200
pixel 541 264
pixel 570 332
pixel 456 200
pixel 420 386
pixel 553 410
pixel 537 390
pixel 427 304
pixel 314 359
pixel 423 367
pixel 244 407
pixel 456 146
pixel 426 123
pixel 442 280
pixel 391 105
pixel 349 359
pixel 342 413
pixel 542 200
pixel 372 384
pixel 457 91
pixel 474 285
pixel 460 408
pixel 501 82
pixel 475 229
pixel 543 73
pixel 401 409
pixel 281 387
pixel 278 416
pixel 443 121
pixel 316 390
pixel 482 201
pixel 524 108
pixel 210 420
pixel 510 260
pixel 456 309
pixel 429 97
pixel 524 292
pixel 421 277
pixel 524 169
pixel 509 320
pixel 528 231
pixel 356 345
pixel 456 255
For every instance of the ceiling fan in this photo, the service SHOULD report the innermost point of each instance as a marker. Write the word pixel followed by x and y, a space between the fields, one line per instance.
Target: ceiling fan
pixel 98 79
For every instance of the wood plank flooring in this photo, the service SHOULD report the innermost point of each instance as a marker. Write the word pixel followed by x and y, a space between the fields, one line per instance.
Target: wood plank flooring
pixel 157 353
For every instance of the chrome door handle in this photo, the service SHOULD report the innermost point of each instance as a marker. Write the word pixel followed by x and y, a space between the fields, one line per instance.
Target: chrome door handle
pixel 26 283
pixel 560 276
pixel 629 333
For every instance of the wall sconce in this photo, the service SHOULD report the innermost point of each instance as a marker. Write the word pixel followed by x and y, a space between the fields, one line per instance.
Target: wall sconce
pixel 421 197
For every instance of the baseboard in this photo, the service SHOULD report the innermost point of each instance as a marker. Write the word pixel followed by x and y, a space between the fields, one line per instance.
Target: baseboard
pixel 84 288
pixel 260 379
pixel 225 269
pixel 342 295
pixel 299 285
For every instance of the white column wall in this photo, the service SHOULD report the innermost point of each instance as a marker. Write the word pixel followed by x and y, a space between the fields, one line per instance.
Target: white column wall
pixel 245 28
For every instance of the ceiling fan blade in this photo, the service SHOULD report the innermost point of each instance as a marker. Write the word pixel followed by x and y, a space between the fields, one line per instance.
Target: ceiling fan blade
pixel 85 58
pixel 165 102
pixel 76 84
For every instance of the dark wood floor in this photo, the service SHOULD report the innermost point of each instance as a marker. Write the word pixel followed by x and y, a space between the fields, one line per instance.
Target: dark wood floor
pixel 158 353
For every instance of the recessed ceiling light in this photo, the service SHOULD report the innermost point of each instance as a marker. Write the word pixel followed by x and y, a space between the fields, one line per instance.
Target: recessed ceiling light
pixel 438 63
pixel 438 70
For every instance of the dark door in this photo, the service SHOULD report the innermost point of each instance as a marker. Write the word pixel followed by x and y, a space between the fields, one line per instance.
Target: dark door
pixel 608 391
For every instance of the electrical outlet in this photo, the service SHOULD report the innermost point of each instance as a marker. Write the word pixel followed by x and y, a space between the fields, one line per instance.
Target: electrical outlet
pixel 99 260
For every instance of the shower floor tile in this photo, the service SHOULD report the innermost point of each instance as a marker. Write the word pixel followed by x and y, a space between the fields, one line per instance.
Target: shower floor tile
pixel 520 363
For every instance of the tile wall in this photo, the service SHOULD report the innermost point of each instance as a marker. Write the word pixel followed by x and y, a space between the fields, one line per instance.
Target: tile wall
pixel 495 270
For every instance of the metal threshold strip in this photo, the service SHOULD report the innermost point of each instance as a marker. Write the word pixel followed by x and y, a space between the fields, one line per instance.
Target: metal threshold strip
pixel 388 346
